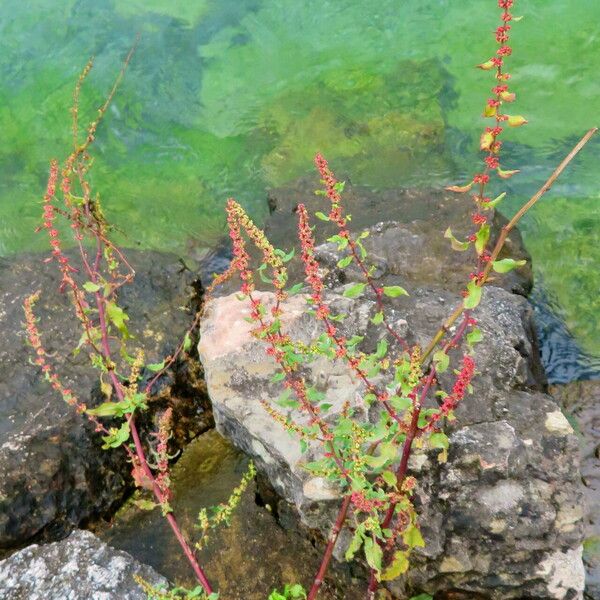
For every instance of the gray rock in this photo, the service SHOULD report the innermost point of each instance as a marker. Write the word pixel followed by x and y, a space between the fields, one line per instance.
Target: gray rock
pixel 502 518
pixel 80 567
pixel 53 473
pixel 412 245
pixel 581 401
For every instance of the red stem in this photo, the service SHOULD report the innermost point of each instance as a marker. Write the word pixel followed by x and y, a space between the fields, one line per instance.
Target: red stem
pixel 139 450
pixel 333 537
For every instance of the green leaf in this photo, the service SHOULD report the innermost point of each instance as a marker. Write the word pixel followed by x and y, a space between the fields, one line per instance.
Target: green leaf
pixel 388 452
pixel 393 291
pixel 154 367
pixel 342 242
pixel 439 440
pixel 116 437
pixel 325 406
pixel 412 537
pixel 377 319
pixel 400 403
pixel 474 295
pixel 422 597
pixel 118 317
pixel 481 238
pixel 356 542
pixel 354 340
pixel 363 251
pixel 344 262
pixel 314 395
pixel 286 402
pixel 278 377
pixel 495 201
pixel 398 566
pixel 89 286
pixel 373 554
pixel 441 360
pixel 456 244
pixel 295 289
pixel 474 336
pixel 382 348
pixel 287 257
pixel 390 478
pixel 294 592
pixel 145 504
pixel 262 275
pixel 370 398
pixel 321 216
pixel 106 409
pixel 507 264
pixel 355 290
pixel 187 342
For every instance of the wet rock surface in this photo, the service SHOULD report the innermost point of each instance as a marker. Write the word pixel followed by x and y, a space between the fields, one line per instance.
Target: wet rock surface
pixel 53 473
pixel 80 567
pixel 244 561
pixel 502 518
pixel 581 401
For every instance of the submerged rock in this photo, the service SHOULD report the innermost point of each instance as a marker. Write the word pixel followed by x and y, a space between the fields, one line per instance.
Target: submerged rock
pixel 247 559
pixel 502 518
pixel 80 567
pixel 53 473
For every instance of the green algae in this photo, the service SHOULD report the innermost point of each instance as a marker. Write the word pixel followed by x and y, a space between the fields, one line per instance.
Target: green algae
pixel 232 97
pixel 565 235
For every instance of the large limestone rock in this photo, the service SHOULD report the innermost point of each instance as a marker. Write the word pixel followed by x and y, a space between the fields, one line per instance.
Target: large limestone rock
pixel 53 473
pixel 80 567
pixel 502 518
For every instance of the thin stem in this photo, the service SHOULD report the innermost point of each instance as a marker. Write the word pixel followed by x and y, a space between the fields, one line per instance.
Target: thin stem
pixel 504 234
pixel 333 537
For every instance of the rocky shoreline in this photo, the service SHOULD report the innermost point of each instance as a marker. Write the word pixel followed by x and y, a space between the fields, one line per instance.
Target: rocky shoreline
pixel 503 518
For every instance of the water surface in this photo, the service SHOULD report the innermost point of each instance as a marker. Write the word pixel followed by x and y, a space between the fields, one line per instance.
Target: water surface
pixel 232 97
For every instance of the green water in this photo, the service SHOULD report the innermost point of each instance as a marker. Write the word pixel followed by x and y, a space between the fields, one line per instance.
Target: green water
pixel 231 97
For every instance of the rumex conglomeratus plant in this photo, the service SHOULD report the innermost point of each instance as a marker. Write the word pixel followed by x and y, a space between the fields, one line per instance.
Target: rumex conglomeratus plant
pixel 368 460
pixel 92 279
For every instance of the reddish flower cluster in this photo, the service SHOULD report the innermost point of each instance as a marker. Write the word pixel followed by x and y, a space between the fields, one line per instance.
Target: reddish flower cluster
pixel 53 234
pixel 33 336
pixel 365 504
pixel 286 423
pixel 163 434
pixel 241 258
pixel 311 266
pixel 502 33
pixel 492 162
pixel 331 190
pixel 237 219
pixel 459 389
pixel 489 142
